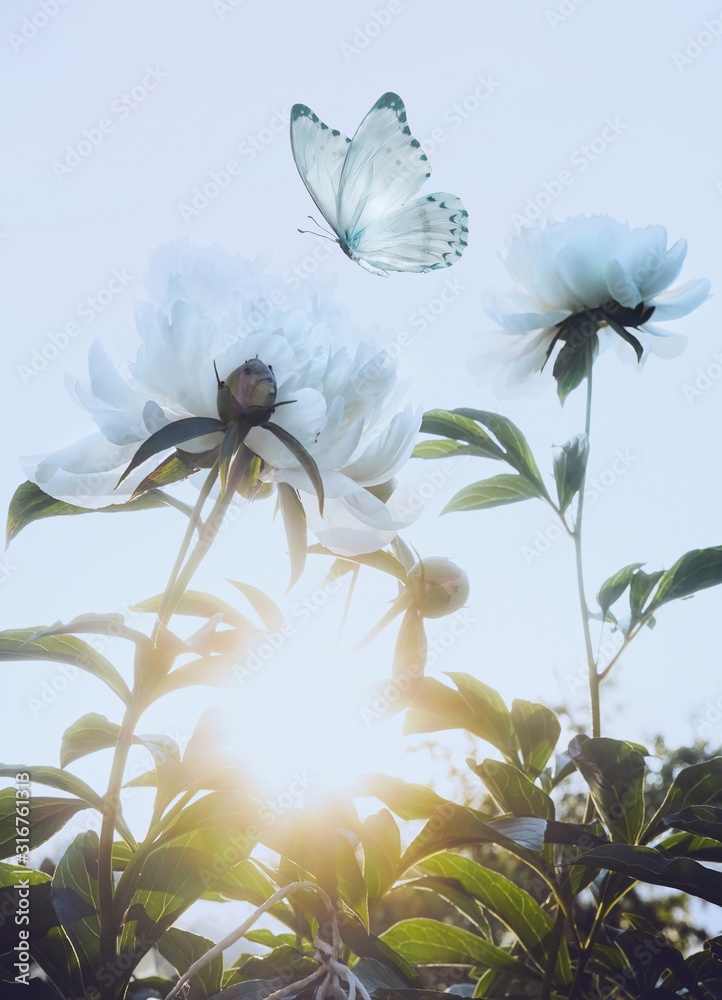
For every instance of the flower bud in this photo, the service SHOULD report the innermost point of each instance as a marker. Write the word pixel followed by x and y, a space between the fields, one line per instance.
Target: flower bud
pixel 248 392
pixel 439 586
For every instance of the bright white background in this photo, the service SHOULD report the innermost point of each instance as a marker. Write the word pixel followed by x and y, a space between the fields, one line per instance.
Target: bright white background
pixel 229 76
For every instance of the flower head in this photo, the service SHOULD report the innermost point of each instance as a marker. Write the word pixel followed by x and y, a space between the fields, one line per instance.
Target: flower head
pixel 222 341
pixel 583 281
pixel 440 587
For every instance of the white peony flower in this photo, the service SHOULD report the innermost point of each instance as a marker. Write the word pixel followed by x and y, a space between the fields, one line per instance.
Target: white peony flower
pixel 587 278
pixel 208 308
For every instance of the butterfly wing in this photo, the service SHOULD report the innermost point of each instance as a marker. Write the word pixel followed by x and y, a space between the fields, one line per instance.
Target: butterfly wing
pixel 320 153
pixel 425 234
pixel 383 167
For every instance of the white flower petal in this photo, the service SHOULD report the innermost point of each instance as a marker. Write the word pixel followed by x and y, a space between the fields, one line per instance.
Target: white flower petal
pixel 681 300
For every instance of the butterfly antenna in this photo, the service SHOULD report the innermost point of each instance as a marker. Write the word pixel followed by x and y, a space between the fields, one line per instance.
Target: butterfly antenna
pixel 316 223
pixel 322 235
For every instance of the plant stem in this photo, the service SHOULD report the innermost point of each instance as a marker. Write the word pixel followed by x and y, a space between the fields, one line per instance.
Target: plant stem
pixel 586 951
pixel 163 615
pixel 583 606
pixel 108 924
pixel 554 945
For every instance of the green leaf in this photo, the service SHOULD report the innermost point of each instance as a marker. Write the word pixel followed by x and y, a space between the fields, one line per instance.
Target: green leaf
pixel 700 784
pixel 112 624
pixel 456 826
pixel 703 821
pixel 171 435
pixel 537 731
pixel 648 955
pixel 285 964
pixel 303 458
pixel 245 882
pixel 454 425
pixel 182 949
pixel 267 610
pixel 29 504
pixel 322 850
pixel 294 521
pixel 9 876
pixel 173 877
pixel 696 570
pixel 475 707
pixel 87 735
pixel 173 469
pixel 444 448
pixel 220 811
pixel 639 590
pixel 570 468
pixel 268 939
pixel 381 560
pixel 492 719
pixel 645 864
pixel 494 492
pixel 76 900
pixel 197 604
pixel 409 659
pixel 382 852
pixel 614 771
pixel 20 644
pixel 422 941
pixel 517 452
pixel 513 791
pixel 574 361
pixel 613 588
pixel 516 909
pixel 214 671
pixel 407 800
pixel 44 817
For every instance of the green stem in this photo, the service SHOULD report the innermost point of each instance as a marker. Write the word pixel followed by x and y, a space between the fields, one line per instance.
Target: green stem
pixel 552 953
pixel 583 606
pixel 108 925
pixel 163 615
pixel 586 951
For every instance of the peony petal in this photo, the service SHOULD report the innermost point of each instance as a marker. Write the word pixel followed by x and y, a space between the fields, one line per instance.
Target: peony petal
pixel 681 300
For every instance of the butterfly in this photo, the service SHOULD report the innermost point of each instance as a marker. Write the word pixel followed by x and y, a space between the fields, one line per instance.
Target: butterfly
pixel 362 186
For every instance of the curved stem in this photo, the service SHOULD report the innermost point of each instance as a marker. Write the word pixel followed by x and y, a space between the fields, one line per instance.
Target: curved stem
pixel 552 953
pixel 583 607
pixel 627 640
pixel 586 951
pixel 163 615
pixel 108 925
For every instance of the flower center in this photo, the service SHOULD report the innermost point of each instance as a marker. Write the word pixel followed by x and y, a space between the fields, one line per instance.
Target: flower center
pixel 248 394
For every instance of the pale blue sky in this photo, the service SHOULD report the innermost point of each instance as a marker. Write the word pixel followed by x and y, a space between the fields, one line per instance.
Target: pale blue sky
pixel 506 97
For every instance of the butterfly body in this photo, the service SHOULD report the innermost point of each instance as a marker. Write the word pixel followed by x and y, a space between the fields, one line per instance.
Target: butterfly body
pixel 362 186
